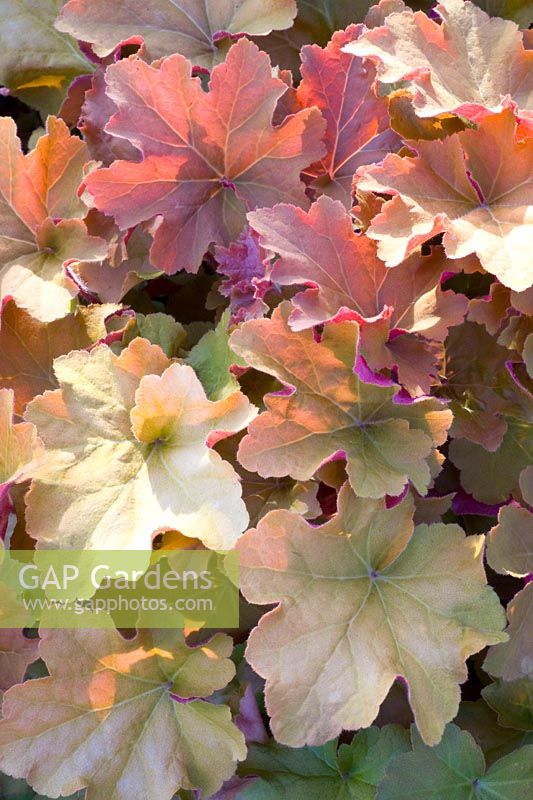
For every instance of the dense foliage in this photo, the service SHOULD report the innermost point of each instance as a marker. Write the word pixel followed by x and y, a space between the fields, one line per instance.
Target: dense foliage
pixel 266 284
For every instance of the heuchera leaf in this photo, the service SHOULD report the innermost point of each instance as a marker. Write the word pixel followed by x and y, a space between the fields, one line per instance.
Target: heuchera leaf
pixel 40 225
pixel 406 122
pixel 323 773
pixel 36 62
pixel 212 359
pixel 492 476
pixel 363 599
pixel 133 457
pixel 107 695
pixel 513 703
pixel 461 187
pixel 514 659
pixel 160 329
pixel 481 389
pixel 96 111
pixel 510 551
pixel 326 409
pixel 208 157
pixel 358 129
pixel 193 28
pixel 510 542
pixel 456 769
pixel 321 250
pixel 243 264
pixel 470 64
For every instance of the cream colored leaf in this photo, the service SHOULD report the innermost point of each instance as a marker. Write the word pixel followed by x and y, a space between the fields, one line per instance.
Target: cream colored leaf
pixel 510 542
pixel 470 64
pixel 127 454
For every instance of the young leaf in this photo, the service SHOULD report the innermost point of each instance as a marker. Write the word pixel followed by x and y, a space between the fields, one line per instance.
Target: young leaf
pixel 40 225
pixel 243 264
pixel 460 187
pixel 363 599
pixel 208 157
pixel 343 274
pixel 127 454
pixel 456 768
pixel 470 64
pixel 37 63
pixel 327 409
pixel 323 773
pixel 358 129
pixel 193 28
pixel 125 700
pixel 212 359
pixel 160 329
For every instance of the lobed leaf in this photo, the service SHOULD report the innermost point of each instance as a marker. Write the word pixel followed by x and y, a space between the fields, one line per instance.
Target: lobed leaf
pixel 470 64
pixel 326 409
pixel 323 773
pixel 456 768
pixel 346 280
pixel 207 157
pixel 363 599
pixel 460 187
pixel 137 701
pixel 127 455
pixel 358 129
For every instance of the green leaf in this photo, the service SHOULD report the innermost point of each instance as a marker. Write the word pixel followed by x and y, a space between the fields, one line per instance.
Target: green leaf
pixel 455 770
pixel 513 702
pixel 212 358
pixel 161 329
pixel 323 773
